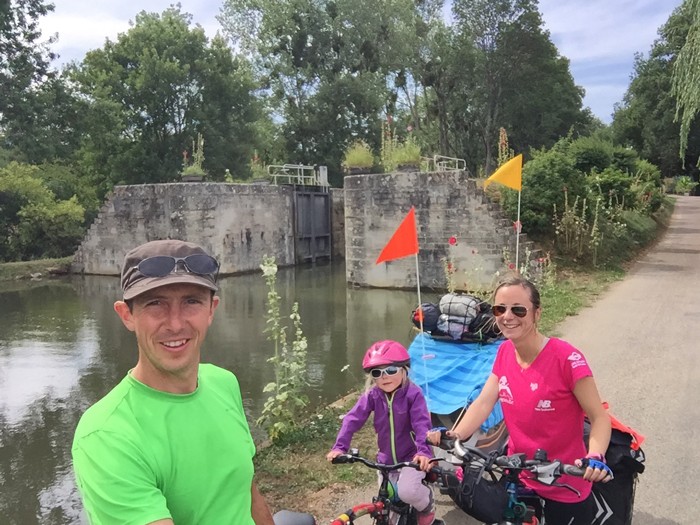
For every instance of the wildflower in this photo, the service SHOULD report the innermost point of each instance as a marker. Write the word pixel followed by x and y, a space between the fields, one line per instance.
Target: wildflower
pixel 453 241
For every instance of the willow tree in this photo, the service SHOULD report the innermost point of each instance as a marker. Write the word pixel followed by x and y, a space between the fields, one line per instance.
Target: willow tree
pixel 686 76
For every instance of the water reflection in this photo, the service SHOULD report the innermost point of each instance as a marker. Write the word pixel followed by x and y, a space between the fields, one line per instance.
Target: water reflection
pixel 62 347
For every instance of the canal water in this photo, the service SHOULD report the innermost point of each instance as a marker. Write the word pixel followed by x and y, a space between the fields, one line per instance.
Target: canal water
pixel 62 348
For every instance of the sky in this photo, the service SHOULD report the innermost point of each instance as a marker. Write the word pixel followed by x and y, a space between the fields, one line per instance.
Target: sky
pixel 599 37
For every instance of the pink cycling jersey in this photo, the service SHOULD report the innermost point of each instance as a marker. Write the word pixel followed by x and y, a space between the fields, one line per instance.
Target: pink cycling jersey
pixel 541 411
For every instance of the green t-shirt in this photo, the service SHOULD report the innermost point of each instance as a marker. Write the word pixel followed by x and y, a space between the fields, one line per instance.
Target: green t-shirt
pixel 141 455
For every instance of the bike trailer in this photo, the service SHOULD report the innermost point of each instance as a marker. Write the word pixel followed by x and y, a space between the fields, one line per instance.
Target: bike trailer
pixel 451 375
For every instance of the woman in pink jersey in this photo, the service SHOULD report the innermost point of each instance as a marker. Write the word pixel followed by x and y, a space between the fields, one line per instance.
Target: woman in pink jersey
pixel 545 387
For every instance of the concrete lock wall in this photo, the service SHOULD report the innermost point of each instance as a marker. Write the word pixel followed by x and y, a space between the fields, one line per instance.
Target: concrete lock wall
pixel 237 223
pixel 447 204
pixel 240 223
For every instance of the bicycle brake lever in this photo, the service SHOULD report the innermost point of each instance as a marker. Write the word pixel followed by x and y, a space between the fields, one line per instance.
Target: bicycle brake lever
pixel 567 486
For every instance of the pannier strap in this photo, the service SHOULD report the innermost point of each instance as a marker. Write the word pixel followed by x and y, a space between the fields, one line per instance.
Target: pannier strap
pixel 637 438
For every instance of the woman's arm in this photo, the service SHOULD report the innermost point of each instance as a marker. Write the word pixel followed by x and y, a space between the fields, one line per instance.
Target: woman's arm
pixel 588 397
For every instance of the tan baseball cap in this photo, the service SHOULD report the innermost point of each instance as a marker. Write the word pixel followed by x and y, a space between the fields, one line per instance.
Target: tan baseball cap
pixel 134 282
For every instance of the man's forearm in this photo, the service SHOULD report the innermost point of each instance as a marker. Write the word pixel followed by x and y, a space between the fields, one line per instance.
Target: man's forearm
pixel 259 509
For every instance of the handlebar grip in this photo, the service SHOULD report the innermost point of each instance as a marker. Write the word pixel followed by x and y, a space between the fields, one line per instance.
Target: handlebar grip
pixel 573 470
pixel 447 443
pixel 343 458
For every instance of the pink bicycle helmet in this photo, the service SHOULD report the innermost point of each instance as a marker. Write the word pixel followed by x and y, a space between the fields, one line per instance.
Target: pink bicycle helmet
pixel 385 353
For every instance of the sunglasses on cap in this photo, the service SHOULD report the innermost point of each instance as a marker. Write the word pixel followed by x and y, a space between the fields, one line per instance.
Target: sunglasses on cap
pixel 162 265
pixel 500 309
pixel 376 373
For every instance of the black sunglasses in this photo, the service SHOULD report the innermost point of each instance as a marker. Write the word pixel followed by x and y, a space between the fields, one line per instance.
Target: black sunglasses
pixel 376 373
pixel 162 265
pixel 518 310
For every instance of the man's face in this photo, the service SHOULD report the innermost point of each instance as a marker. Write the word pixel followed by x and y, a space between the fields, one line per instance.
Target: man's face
pixel 170 323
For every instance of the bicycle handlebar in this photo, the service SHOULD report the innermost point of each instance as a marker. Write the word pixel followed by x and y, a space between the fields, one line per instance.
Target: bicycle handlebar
pixel 354 457
pixel 350 458
pixel 544 470
pixel 380 505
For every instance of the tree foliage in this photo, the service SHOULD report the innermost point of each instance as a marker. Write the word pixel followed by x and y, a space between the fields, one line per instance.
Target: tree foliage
pixel 152 91
pixel 33 221
pixel 24 61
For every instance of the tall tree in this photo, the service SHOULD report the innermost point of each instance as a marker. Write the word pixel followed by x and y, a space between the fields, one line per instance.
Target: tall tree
pixel 326 64
pixel 153 91
pixel 24 65
pixel 520 81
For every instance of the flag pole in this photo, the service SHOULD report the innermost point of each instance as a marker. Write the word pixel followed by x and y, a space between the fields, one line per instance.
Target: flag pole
pixel 518 227
pixel 422 336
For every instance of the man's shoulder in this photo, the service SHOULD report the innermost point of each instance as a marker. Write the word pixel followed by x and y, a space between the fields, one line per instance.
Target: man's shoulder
pixel 98 416
pixel 209 371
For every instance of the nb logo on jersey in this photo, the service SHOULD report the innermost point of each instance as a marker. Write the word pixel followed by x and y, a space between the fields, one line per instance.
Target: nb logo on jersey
pixel 576 360
pixel 544 405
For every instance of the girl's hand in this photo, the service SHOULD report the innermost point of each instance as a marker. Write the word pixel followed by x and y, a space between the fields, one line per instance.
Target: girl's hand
pixel 334 454
pixel 423 461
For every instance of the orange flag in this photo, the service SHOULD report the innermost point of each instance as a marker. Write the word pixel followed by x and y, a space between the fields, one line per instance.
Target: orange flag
pixel 510 174
pixel 404 242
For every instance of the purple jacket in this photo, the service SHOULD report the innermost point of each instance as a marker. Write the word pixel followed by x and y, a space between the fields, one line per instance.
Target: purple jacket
pixel 401 421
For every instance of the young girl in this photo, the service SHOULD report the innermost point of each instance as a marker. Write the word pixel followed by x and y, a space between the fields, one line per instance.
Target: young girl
pixel 401 420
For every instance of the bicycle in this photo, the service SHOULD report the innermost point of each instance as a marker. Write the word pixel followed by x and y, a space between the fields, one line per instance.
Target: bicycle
pixel 520 505
pixel 386 508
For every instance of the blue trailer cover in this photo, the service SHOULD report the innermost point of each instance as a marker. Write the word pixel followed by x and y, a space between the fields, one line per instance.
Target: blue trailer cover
pixel 451 374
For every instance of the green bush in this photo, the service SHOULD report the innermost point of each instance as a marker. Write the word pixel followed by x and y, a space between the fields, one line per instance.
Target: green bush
pixel 647 172
pixel 590 153
pixel 624 159
pixel 407 153
pixel 685 184
pixel 34 223
pixel 545 179
pixel 358 155
pixel 613 184
pixel 641 228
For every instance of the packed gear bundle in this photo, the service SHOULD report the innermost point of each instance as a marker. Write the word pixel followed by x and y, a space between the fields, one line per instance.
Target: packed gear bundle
pixel 461 317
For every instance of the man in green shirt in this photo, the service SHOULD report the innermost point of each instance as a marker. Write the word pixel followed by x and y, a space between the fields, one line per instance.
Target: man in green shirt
pixel 170 443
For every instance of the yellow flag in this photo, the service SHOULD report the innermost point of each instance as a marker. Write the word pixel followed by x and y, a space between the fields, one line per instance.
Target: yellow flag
pixel 510 174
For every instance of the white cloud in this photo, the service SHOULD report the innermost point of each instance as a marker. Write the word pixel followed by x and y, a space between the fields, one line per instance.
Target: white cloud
pixel 599 37
pixel 84 26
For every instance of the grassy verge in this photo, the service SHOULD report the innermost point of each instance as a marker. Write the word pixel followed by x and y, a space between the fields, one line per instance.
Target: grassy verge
pixel 27 269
